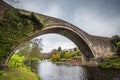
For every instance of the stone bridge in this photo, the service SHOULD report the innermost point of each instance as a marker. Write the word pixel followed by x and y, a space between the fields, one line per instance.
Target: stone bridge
pixel 90 46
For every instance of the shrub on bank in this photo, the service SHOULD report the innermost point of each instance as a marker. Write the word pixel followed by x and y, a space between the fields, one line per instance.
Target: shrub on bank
pixel 56 57
pixel 1 72
pixel 67 55
pixel 113 63
pixel 19 74
pixel 115 40
pixel 118 48
pixel 18 71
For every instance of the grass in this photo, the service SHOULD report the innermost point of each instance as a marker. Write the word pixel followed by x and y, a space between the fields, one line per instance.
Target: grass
pixel 18 74
pixel 17 70
pixel 113 63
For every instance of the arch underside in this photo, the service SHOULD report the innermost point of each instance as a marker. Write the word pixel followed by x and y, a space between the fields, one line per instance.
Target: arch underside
pixel 81 44
pixel 70 34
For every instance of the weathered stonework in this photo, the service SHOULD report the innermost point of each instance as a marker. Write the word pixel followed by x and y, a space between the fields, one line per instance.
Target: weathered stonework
pixel 91 46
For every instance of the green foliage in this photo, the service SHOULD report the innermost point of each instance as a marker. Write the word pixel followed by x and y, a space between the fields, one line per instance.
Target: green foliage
pixel 37 23
pixel 67 55
pixel 115 39
pixel 18 71
pixel 59 49
pixel 24 50
pixel 56 57
pixel 113 63
pixel 19 74
pixel 118 48
pixel 15 28
pixel 16 61
pixel 77 52
pixel 35 52
pixel 62 54
pixel 75 48
pixel 1 72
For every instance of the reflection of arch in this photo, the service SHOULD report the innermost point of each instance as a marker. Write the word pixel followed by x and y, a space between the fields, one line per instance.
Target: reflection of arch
pixel 68 32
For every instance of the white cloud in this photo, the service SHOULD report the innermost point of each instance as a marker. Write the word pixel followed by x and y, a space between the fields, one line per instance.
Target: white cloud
pixel 95 22
pixel 53 41
pixel 98 18
pixel 54 11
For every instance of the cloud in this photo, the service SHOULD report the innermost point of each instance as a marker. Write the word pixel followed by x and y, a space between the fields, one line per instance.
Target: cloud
pixel 96 23
pixel 53 41
pixel 89 15
pixel 54 11
pixel 96 17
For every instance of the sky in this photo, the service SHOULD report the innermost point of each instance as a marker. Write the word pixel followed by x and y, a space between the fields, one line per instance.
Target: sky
pixel 96 17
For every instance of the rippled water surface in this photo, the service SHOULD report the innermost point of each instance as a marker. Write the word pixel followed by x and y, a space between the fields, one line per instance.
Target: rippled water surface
pixel 50 71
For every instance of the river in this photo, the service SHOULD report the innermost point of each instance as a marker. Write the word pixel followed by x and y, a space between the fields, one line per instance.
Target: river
pixel 50 71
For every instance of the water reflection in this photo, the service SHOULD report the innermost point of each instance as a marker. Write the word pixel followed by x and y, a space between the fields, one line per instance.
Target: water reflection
pixel 50 71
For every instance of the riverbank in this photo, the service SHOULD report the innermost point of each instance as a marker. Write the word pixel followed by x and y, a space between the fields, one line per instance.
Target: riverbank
pixel 74 62
pixel 18 74
pixel 97 73
pixel 50 71
pixel 68 62
pixel 111 63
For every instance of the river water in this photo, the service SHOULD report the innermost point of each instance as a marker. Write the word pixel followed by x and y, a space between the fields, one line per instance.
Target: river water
pixel 50 71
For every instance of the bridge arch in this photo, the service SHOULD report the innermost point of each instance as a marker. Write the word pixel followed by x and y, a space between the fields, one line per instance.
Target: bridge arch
pixel 91 46
pixel 80 40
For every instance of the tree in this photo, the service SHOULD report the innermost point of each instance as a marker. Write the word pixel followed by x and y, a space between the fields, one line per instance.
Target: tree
pixel 35 49
pixel 56 57
pixel 77 52
pixel 62 54
pixel 31 49
pixel 24 50
pixel 67 55
pixel 115 39
pixel 38 42
pixel 34 53
pixel 59 49
pixel 75 48
pixel 118 48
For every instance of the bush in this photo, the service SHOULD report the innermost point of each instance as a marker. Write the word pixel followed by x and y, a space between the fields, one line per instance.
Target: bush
pixel 1 72
pixel 67 55
pixel 16 61
pixel 115 39
pixel 56 57
pixel 118 48
pixel 77 52
pixel 113 63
